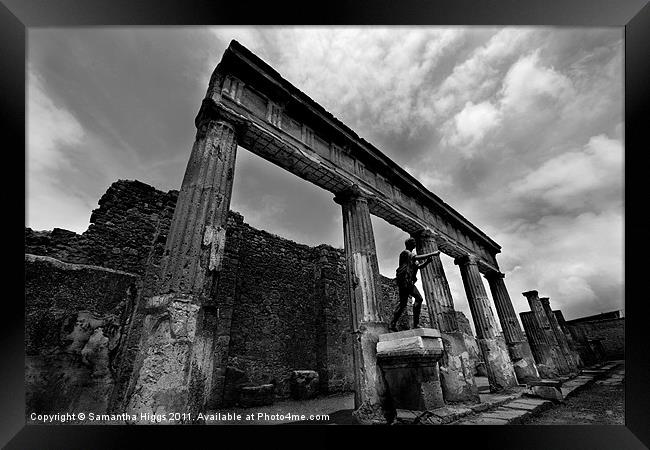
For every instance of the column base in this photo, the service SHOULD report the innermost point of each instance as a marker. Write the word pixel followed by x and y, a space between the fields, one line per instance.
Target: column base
pixel 174 368
pixel 523 362
pixel 456 378
pixel 501 374
pixel 409 362
pixel 371 401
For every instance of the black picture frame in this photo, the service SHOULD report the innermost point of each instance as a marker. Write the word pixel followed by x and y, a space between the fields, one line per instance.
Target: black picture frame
pixel 16 16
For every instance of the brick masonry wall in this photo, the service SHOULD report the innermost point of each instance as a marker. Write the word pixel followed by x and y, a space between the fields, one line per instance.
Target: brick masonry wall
pixel 282 305
pixel 610 332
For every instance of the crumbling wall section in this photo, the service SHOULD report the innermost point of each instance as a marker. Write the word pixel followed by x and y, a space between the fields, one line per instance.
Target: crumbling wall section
pixel 131 216
pixel 611 334
pixel 75 319
pixel 281 306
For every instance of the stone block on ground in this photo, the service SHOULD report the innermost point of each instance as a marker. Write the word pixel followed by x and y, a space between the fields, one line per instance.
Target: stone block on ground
pixel 529 404
pixel 546 392
pixel 256 395
pixel 304 384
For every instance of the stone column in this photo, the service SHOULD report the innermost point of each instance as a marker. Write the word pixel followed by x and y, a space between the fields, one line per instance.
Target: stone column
pixel 573 345
pixel 559 335
pixel 175 367
pixel 364 289
pixel 456 375
pixel 557 359
pixel 518 347
pixel 501 374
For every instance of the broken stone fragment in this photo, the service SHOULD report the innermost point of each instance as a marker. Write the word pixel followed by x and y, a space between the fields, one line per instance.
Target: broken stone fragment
pixel 256 395
pixel 304 384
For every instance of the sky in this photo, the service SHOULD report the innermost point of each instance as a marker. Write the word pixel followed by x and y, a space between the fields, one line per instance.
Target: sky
pixel 518 129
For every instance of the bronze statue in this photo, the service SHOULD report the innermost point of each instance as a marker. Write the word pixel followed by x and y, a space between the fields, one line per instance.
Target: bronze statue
pixel 409 263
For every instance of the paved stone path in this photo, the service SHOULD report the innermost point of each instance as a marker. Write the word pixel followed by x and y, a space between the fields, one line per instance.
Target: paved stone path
pixel 495 409
pixel 600 403
pixel 522 410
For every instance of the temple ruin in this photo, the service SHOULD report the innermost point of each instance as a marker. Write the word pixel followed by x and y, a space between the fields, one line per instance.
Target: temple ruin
pixel 177 336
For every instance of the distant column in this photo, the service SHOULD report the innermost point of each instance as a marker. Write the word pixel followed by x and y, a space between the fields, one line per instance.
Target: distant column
pixel 559 335
pixel 176 355
pixel 518 347
pixel 501 374
pixel 363 290
pixel 456 377
pixel 557 359
pixel 573 344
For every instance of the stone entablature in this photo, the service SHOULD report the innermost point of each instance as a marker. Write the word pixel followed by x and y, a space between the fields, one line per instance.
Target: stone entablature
pixel 278 122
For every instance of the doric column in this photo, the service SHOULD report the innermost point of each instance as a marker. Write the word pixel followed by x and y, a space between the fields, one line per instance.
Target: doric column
pixel 196 238
pixel 501 374
pixel 557 359
pixel 456 377
pixel 175 366
pixel 364 289
pixel 559 334
pixel 518 347
pixel 573 344
pixel 436 288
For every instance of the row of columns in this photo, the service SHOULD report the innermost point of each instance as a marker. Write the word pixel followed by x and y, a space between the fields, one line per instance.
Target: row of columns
pixel 551 346
pixel 178 338
pixel 506 367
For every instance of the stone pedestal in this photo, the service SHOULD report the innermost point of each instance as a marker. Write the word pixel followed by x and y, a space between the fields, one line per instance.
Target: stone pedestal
pixel 409 362
pixel 518 348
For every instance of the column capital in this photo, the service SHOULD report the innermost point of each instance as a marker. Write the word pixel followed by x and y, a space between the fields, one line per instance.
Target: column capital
pixel 494 275
pixel 529 294
pixel 424 234
pixel 211 111
pixel 545 301
pixel 464 260
pixel 351 193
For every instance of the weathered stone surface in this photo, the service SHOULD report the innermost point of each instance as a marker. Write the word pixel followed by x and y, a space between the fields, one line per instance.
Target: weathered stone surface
pixel 528 404
pixel 417 332
pixel 408 361
pixel 256 395
pixel 482 421
pixel 304 384
pixel 456 370
pixel 512 416
pixel 547 392
pixel 448 414
pixel 364 287
pixel 75 319
pixel 538 323
pixel 499 368
pixel 518 348
pixel 414 343
pixel 560 338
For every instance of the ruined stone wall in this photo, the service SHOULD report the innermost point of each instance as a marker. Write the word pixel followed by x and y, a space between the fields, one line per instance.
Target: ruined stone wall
pixel 282 306
pixel 131 217
pixel 610 332
pixel 75 317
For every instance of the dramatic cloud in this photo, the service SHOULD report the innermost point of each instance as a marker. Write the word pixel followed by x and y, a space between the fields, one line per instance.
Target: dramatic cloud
pixel 519 129
pixel 50 128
